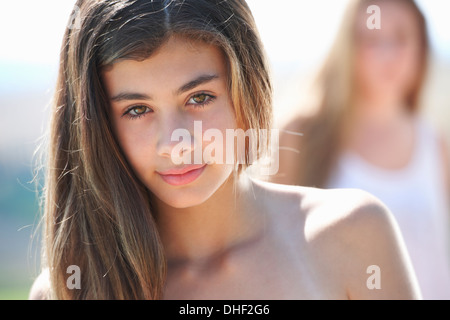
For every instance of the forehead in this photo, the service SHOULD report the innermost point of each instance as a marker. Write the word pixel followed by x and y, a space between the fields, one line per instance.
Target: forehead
pixel 395 15
pixel 174 63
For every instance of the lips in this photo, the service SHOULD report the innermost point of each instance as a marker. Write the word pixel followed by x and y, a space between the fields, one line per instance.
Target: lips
pixel 182 176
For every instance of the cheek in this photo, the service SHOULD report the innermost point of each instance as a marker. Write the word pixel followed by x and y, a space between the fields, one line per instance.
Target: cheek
pixel 137 142
pixel 215 128
pixel 397 73
pixel 366 66
pixel 409 65
pixel 222 121
pixel 221 118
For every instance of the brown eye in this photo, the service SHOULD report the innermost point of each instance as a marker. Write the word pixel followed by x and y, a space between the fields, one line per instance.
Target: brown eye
pixel 201 99
pixel 137 112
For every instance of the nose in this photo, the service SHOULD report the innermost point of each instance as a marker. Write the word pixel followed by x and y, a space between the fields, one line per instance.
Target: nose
pixel 389 50
pixel 175 139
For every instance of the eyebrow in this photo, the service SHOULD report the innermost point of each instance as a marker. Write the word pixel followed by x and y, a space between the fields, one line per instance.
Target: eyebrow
pixel 186 87
pixel 130 96
pixel 196 82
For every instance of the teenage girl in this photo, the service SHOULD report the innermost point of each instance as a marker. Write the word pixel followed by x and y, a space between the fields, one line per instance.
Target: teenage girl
pixel 139 226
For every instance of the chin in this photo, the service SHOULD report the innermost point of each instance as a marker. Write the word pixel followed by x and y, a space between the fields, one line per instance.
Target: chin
pixel 194 194
pixel 182 199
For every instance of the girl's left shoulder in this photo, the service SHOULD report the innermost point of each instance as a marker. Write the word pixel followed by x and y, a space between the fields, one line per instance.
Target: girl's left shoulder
pixel 329 206
pixel 350 230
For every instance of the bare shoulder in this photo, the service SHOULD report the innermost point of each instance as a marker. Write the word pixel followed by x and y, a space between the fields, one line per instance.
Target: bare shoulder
pixel 41 287
pixel 327 210
pixel 344 210
pixel 359 235
pixel 348 233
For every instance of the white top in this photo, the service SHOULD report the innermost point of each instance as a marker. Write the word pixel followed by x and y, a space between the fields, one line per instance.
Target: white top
pixel 417 198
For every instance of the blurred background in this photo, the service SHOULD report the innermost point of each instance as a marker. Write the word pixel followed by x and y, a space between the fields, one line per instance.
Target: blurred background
pixel 296 33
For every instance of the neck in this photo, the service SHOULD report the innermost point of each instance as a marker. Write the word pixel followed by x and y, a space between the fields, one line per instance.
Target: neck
pixel 382 110
pixel 196 233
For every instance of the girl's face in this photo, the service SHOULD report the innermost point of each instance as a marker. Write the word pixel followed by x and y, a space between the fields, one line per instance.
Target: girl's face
pixel 388 59
pixel 183 82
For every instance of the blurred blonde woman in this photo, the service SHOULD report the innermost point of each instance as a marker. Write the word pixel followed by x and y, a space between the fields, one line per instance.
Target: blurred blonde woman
pixel 366 132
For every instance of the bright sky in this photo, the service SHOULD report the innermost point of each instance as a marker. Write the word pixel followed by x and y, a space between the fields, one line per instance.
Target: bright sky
pixel 296 34
pixel 31 31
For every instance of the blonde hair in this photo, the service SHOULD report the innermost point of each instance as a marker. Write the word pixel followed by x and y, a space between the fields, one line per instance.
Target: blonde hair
pixel 326 129
pixel 97 213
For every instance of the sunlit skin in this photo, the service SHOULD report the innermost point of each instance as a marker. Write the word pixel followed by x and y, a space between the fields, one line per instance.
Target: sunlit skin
pixel 241 238
pixel 170 102
pixel 227 238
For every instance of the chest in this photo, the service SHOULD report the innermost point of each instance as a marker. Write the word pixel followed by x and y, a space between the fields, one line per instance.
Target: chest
pixel 265 274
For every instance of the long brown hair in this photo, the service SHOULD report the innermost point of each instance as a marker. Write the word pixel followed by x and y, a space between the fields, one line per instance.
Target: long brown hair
pixel 98 215
pixel 324 131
